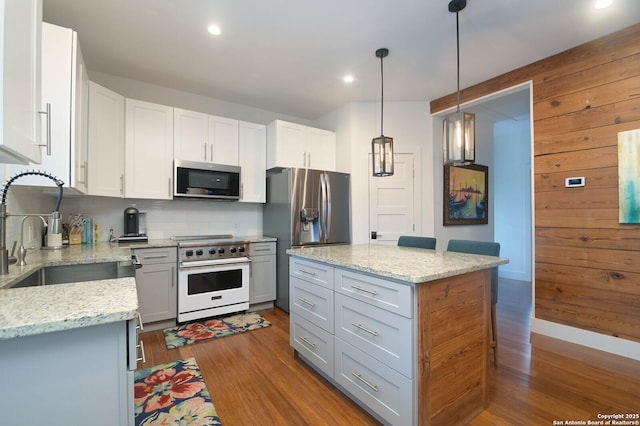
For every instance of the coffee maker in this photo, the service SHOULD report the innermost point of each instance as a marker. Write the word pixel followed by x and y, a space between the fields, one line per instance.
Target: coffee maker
pixel 132 226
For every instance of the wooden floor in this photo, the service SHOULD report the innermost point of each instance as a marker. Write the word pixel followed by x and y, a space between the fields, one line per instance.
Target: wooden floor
pixel 255 379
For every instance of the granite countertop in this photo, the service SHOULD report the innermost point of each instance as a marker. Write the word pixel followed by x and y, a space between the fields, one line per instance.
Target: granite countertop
pixel 42 309
pixel 36 310
pixel 407 264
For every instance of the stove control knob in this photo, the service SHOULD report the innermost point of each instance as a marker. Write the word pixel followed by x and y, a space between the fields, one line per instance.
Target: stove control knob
pixel 232 249
pixel 199 252
pixel 241 249
pixel 188 253
pixel 221 251
pixel 212 251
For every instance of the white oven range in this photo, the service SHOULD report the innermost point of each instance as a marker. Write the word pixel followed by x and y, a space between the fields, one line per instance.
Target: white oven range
pixel 213 276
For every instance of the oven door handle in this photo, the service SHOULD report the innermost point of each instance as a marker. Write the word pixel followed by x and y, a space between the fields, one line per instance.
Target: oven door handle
pixel 201 263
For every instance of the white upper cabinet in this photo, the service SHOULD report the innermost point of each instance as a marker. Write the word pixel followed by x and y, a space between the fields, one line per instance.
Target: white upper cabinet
pixel 148 150
pixel 65 90
pixel 20 123
pixel 190 135
pixel 295 145
pixel 223 138
pixel 253 159
pixel 203 137
pixel 106 142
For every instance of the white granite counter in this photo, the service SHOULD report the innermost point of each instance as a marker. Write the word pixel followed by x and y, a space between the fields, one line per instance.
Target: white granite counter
pixel 44 309
pixel 412 265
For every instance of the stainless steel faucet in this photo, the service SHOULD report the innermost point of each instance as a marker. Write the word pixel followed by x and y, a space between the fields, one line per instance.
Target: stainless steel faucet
pixel 22 251
pixel 55 215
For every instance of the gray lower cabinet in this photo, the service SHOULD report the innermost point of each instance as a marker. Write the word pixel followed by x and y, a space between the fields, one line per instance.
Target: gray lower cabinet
pixel 156 282
pixel 80 376
pixel 262 285
pixel 359 331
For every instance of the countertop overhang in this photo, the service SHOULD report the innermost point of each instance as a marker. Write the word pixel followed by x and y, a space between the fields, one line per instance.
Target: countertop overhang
pixel 405 264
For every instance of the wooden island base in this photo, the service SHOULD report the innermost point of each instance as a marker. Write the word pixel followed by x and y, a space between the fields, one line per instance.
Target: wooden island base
pixel 453 348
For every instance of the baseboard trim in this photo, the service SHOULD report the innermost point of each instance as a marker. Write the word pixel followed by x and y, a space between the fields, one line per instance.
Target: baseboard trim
pixel 590 339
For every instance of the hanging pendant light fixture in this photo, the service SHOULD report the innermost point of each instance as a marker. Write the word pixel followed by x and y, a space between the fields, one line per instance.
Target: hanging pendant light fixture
pixel 382 146
pixel 459 127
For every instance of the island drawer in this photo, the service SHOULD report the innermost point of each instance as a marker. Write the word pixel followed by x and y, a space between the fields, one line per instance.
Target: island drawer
pixel 377 332
pixel 388 295
pixel 312 302
pixel 314 272
pixel 382 389
pixel 313 343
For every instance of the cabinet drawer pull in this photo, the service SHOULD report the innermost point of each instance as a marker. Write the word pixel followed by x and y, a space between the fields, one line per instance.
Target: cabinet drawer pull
pixel 262 249
pixel 143 358
pixel 139 326
pixel 307 302
pixel 359 377
pixel 157 256
pixel 308 342
pixel 366 290
pixel 313 274
pixel 361 327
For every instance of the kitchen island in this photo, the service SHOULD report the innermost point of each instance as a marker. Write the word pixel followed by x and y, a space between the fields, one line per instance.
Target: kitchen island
pixel 402 331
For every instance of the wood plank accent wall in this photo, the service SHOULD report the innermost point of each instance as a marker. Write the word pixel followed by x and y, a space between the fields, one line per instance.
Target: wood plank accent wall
pixel 587 265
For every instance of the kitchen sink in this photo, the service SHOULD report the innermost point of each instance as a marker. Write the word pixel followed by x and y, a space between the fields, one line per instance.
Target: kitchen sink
pixel 62 274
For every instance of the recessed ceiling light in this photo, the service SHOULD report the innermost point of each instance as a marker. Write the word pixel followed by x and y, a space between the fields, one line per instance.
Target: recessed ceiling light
pixel 601 4
pixel 348 79
pixel 214 29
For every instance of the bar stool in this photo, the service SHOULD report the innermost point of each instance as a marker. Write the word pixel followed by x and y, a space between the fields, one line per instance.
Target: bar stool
pixel 489 249
pixel 418 242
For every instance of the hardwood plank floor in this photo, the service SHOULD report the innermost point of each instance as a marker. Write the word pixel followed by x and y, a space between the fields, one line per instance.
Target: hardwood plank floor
pixel 255 379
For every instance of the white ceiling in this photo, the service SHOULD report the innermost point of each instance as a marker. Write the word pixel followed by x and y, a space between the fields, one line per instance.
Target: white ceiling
pixel 289 56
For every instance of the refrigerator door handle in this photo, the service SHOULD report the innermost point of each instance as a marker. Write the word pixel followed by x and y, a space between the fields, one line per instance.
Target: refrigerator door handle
pixel 327 186
pixel 321 208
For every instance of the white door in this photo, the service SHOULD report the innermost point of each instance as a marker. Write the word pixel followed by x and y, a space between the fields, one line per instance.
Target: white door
pixel 391 202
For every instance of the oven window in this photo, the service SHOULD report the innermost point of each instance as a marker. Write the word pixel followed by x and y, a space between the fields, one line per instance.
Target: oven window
pixel 214 281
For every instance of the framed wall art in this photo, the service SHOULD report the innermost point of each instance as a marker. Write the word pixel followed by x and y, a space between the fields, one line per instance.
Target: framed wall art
pixel 628 176
pixel 466 194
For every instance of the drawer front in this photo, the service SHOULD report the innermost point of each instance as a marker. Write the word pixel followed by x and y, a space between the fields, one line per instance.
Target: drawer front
pixel 314 272
pixel 385 391
pixel 312 302
pixel 157 255
pixel 389 295
pixel 379 333
pixel 312 342
pixel 262 249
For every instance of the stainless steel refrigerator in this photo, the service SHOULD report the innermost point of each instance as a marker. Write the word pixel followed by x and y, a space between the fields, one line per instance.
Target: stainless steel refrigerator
pixel 305 207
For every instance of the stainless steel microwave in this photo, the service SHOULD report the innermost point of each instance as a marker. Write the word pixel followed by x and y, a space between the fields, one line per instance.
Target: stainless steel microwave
pixel 206 180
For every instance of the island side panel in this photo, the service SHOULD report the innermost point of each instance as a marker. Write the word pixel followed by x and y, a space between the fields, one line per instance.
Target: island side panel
pixel 453 348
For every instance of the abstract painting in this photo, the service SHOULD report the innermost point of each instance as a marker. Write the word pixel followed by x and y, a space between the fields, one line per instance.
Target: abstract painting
pixel 629 176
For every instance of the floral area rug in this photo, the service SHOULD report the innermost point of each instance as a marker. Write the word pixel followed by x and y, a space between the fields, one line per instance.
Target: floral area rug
pixel 200 331
pixel 173 394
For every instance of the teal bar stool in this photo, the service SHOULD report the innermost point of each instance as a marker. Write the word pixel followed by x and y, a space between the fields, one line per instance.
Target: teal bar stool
pixel 486 248
pixel 418 242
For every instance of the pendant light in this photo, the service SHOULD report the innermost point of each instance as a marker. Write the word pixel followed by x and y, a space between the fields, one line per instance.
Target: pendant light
pixel 382 146
pixel 459 127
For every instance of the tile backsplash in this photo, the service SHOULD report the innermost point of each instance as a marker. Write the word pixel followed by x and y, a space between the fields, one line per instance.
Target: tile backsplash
pixel 164 219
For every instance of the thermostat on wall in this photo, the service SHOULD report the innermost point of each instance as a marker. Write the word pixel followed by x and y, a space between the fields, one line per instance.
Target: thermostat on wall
pixel 574 181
